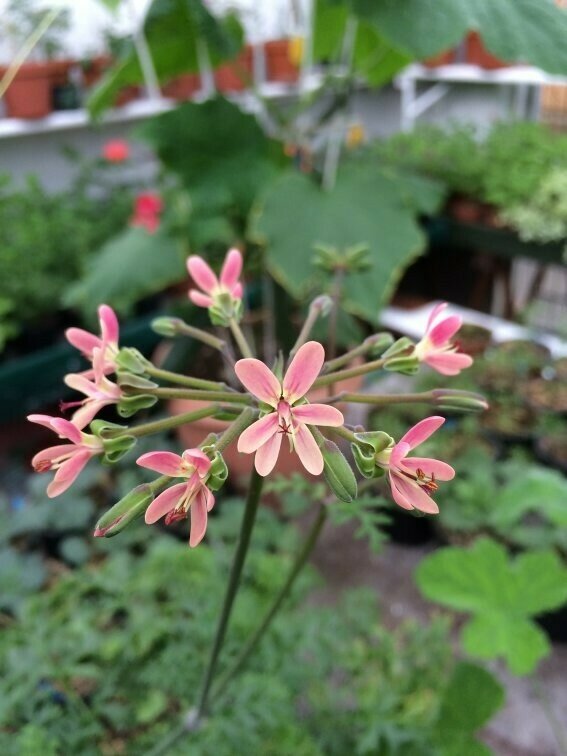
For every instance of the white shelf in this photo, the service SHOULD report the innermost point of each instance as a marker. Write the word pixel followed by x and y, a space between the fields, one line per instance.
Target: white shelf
pixel 467 73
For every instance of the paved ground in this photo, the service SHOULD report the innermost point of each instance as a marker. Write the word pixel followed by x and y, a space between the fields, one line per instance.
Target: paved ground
pixel 521 728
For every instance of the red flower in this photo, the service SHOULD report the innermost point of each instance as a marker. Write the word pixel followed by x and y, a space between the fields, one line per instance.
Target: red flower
pixel 147 211
pixel 116 151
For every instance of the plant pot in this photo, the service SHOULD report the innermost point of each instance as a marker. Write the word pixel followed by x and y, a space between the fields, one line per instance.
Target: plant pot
pixel 279 65
pixel 478 55
pixel 182 87
pixel 94 69
pixel 126 95
pixel 442 59
pixel 474 339
pixel 240 465
pixel 29 95
pixel 234 76
pixel 546 396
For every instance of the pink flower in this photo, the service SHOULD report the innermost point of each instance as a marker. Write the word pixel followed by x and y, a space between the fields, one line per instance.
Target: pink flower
pixel 209 284
pixel 87 342
pixel 116 150
pixel 290 414
pixel 67 459
pixel 99 392
pixel 147 211
pixel 176 501
pixel 414 479
pixel 436 348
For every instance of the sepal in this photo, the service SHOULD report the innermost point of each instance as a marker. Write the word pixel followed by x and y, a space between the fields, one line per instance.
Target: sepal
pixel 366 447
pixel 131 360
pixel 225 308
pixel 129 405
pixel 131 506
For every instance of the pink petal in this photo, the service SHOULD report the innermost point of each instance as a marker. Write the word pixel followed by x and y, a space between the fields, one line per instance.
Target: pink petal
pixel 231 269
pixel 434 313
pixel 199 299
pixel 308 451
pixel 444 331
pixel 199 460
pixel 164 503
pixel 80 383
pixel 441 470
pixel 422 430
pixel 397 495
pixel 303 370
pixel 202 274
pixel 44 420
pixel 108 324
pixel 83 416
pixel 198 519
pixel 166 463
pixel 66 429
pixel 237 291
pixel 68 473
pixel 414 495
pixel 399 452
pixel 257 434
pixel 52 453
pixel 82 340
pixel 318 414
pixel 259 380
pixel 267 455
pixel 449 363
pixel 210 499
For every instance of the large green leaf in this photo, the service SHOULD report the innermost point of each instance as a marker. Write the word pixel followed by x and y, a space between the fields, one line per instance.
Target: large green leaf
pixel 365 207
pixel 501 593
pixel 128 268
pixel 531 31
pixel 221 154
pixel 173 30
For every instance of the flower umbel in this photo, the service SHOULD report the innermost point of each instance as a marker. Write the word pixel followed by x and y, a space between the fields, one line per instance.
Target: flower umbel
pixel 414 479
pixel 436 348
pixel 87 342
pixel 224 294
pixel 288 412
pixel 67 460
pixel 192 495
pixel 99 392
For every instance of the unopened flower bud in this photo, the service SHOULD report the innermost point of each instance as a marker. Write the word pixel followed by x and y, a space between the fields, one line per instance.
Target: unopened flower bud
pixel 462 401
pixel 338 473
pixel 131 506
pixel 378 343
pixel 131 361
pixel 322 304
pixel 168 327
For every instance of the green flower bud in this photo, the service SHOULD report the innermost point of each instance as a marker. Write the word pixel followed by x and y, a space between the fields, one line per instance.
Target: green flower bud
pixel 131 506
pixel 322 304
pixel 168 327
pixel 129 405
pixel 131 361
pixel 338 473
pixel 378 342
pixel 461 401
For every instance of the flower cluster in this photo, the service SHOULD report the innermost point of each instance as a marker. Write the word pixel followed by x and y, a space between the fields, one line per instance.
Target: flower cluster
pixel 273 406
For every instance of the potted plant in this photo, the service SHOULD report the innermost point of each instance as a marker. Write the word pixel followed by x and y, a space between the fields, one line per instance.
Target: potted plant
pixel 478 55
pixel 282 59
pixel 235 75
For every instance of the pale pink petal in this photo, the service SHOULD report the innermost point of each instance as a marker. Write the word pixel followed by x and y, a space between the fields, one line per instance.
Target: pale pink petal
pixel 66 429
pixel 202 274
pixel 237 291
pixel 397 495
pixel 83 416
pixel 199 460
pixel 308 451
pixel 318 414
pixel 303 370
pixel 164 503
pixel 108 324
pixel 449 363
pixel 434 313
pixel 80 383
pixel 259 380
pixel 267 455
pixel 199 299
pixel 399 452
pixel 44 420
pixel 257 434
pixel 231 269
pixel 82 340
pixel 210 499
pixel 422 430
pixel 68 473
pixel 166 463
pixel 414 495
pixel 444 331
pixel 52 453
pixel 441 470
pixel 198 519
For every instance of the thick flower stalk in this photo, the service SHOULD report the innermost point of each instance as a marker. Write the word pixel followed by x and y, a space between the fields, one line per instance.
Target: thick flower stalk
pixel 192 496
pixel 99 392
pixel 69 459
pixel 436 348
pixel 107 342
pixel 287 411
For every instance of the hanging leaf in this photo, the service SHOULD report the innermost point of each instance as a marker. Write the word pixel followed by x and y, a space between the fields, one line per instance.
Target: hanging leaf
pixel 501 593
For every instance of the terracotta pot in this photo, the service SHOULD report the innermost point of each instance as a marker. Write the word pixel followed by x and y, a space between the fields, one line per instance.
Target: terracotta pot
pixel 182 87
pixel 442 59
pixel 279 66
pixel 478 55
pixel 29 95
pixel 59 70
pixel 127 94
pixel 232 77
pixel 94 69
pixel 240 465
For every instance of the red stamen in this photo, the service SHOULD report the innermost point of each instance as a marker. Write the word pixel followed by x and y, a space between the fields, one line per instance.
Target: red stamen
pixel 64 406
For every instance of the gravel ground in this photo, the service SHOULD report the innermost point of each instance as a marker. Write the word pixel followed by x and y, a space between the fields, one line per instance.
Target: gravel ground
pixel 521 728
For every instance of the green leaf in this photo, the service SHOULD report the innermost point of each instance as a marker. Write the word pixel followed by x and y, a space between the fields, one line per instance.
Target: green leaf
pixel 151 707
pixel 365 207
pixel 173 30
pixel 128 268
pixel 471 698
pixel 502 594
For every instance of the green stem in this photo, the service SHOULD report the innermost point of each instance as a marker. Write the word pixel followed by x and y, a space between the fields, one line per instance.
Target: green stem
pixel 297 566
pixel 157 426
pixel 184 380
pixel 254 492
pixel 240 339
pixel 358 351
pixel 184 329
pixel 235 429
pixel 317 306
pixel 344 433
pixel 341 375
pixel 229 397
pixel 382 400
